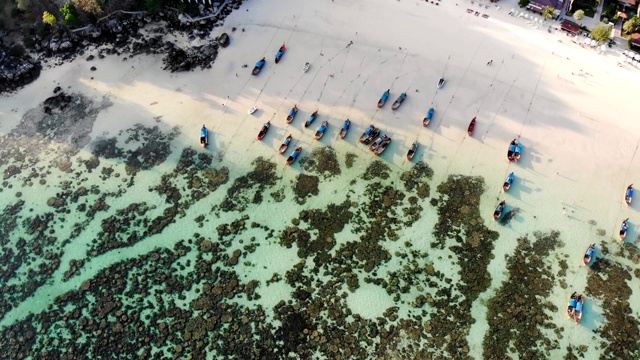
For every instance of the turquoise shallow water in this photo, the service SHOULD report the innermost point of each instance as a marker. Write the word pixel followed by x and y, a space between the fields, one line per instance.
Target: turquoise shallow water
pixel 133 246
pixel 140 244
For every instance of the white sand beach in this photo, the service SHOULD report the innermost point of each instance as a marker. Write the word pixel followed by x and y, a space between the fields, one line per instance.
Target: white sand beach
pixel 571 107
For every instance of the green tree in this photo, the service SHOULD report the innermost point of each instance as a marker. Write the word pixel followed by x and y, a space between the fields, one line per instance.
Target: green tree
pixel 548 12
pixel 523 3
pixel 601 33
pixel 90 6
pixel 69 14
pixel 24 5
pixel 632 25
pixel 153 6
pixel 578 15
pixel 48 18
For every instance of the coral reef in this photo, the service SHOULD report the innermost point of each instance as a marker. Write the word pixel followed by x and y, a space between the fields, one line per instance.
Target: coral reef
pixel 249 188
pixel 322 161
pixel 516 316
pixel 609 283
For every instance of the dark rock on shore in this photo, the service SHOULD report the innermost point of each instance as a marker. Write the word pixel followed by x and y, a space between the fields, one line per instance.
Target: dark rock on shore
pixel 16 71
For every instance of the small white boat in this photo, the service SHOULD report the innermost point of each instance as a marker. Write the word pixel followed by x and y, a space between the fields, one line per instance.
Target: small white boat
pixel 253 109
pixel 306 67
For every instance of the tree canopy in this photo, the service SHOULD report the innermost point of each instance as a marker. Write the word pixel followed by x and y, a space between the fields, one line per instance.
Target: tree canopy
pixel 601 33
pixel 632 25
pixel 548 12
pixel 578 15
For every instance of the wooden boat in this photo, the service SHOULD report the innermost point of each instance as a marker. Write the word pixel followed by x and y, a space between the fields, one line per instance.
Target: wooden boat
pixel 518 152
pixel 412 150
pixel 383 146
pixel 204 136
pixel 383 99
pixel 428 117
pixel 285 145
pixel 579 310
pixel 507 182
pixel 499 210
pixel 573 299
pixel 588 255
pixel 263 131
pixel 311 118
pixel 472 126
pixel 292 114
pixel 280 53
pixel 624 228
pixel 377 143
pixel 398 101
pixel 321 130
pixel 367 133
pixel 345 128
pixel 512 149
pixel 373 136
pixel 628 195
pixel 258 67
pixel 294 155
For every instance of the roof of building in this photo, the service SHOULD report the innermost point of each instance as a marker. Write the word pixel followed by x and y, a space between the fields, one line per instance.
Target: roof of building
pixel 630 2
pixel 635 39
pixel 570 26
pixel 549 3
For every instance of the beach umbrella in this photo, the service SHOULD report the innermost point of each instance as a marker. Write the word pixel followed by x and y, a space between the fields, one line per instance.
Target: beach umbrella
pixel 594 42
pixel 603 47
pixel 637 57
pixel 587 41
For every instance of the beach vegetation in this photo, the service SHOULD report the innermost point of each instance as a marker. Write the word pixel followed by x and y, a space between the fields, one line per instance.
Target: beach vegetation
pixel 90 6
pixel 24 5
pixel 601 33
pixel 523 3
pixel 15 12
pixel 610 11
pixel 578 15
pixel 153 6
pixel 632 25
pixel 589 7
pixel 69 14
pixel 548 12
pixel 48 18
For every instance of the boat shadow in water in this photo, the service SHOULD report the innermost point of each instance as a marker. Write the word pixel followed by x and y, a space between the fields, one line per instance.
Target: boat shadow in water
pixel 510 215
pixel 592 317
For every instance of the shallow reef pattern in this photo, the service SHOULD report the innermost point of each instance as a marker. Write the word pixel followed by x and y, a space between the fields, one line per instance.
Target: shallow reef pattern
pixel 146 253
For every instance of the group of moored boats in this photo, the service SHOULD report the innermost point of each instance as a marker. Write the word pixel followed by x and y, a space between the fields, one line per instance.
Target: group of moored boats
pixel 576 307
pixel 628 197
pixel 377 141
pixel 513 154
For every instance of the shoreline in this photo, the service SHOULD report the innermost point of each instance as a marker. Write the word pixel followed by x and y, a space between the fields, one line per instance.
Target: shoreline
pixel 567 154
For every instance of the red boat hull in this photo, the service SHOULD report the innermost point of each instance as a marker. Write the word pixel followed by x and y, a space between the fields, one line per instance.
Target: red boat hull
pixel 472 127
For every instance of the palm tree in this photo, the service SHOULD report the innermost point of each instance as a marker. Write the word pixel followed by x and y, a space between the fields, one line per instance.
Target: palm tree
pixel 549 12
